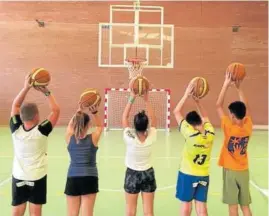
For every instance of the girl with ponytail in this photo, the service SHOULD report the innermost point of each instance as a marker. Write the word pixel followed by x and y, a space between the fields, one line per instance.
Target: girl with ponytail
pixel 80 124
pixel 82 178
pixel 139 175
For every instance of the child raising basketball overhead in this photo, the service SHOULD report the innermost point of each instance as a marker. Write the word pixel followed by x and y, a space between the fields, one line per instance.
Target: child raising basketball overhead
pixel 139 175
pixel 237 128
pixel 30 141
pixel 193 177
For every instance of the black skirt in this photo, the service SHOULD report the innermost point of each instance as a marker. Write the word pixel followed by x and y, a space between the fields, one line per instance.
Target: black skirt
pixel 78 186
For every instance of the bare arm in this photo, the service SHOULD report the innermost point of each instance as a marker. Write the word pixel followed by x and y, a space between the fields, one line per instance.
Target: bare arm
pixel 16 105
pixel 201 111
pixel 55 110
pixel 150 111
pixel 242 96
pixel 222 94
pixel 98 125
pixel 54 107
pixel 178 110
pixel 69 131
pixel 126 112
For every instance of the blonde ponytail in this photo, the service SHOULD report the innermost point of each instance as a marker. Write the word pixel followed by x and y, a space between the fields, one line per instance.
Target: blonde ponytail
pixel 80 121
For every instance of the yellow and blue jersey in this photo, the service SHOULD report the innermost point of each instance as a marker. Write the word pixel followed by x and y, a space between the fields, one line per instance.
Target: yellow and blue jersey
pixel 197 149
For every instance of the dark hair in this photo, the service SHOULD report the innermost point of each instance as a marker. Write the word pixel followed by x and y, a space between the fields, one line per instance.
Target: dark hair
pixel 238 108
pixel 80 121
pixel 28 111
pixel 141 121
pixel 193 118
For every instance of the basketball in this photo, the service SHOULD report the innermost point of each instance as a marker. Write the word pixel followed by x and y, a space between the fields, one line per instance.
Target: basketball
pixel 40 77
pixel 201 87
pixel 139 85
pixel 90 97
pixel 238 71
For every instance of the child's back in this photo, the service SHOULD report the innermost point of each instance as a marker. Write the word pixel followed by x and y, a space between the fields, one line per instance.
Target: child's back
pixel 234 150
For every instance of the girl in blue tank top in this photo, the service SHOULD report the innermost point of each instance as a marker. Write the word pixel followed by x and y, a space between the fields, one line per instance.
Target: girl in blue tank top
pixel 82 177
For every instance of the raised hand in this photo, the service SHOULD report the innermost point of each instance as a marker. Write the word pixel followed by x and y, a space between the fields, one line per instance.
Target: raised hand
pixel 237 84
pixel 228 79
pixel 80 108
pixel 189 90
pixel 27 82
pixel 42 89
pixel 196 99
pixel 146 96
pixel 132 94
pixel 93 109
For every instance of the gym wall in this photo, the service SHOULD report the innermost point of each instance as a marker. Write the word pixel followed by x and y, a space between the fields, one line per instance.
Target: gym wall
pixel 67 46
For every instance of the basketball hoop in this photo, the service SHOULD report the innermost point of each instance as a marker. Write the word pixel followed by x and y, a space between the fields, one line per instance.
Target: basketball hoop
pixel 135 66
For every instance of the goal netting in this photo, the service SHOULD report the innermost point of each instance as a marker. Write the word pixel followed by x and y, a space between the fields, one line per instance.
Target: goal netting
pixel 116 100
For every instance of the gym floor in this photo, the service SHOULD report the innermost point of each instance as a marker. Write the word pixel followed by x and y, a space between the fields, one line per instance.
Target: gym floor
pixel 166 160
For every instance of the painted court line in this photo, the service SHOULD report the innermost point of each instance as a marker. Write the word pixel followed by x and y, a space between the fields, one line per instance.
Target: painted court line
pixel 120 157
pixel 212 158
pixel 263 191
pixel 2 183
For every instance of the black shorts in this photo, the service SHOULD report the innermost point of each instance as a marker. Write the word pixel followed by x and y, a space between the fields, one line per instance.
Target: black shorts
pixel 136 181
pixel 29 191
pixel 78 186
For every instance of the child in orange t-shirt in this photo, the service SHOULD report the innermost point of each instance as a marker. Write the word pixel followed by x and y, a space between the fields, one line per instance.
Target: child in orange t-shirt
pixel 237 128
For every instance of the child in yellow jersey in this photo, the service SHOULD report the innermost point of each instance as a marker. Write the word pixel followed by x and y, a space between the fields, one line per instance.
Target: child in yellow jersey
pixel 237 128
pixel 193 177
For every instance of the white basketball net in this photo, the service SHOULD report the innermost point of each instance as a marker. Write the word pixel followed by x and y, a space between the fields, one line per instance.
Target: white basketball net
pixel 135 67
pixel 116 102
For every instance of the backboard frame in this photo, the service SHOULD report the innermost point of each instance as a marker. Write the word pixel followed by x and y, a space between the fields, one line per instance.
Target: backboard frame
pixel 137 10
pixel 109 26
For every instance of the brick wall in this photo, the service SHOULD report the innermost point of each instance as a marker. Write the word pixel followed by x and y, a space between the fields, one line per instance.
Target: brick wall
pixel 67 46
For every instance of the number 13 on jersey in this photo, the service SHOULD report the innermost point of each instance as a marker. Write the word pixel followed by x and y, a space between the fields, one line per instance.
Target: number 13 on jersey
pixel 200 159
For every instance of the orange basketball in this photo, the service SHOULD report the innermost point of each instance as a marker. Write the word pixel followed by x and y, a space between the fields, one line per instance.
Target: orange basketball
pixel 201 87
pixel 89 97
pixel 139 85
pixel 238 71
pixel 40 77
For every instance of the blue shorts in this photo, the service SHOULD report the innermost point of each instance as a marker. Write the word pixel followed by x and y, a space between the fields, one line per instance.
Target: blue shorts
pixel 192 187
